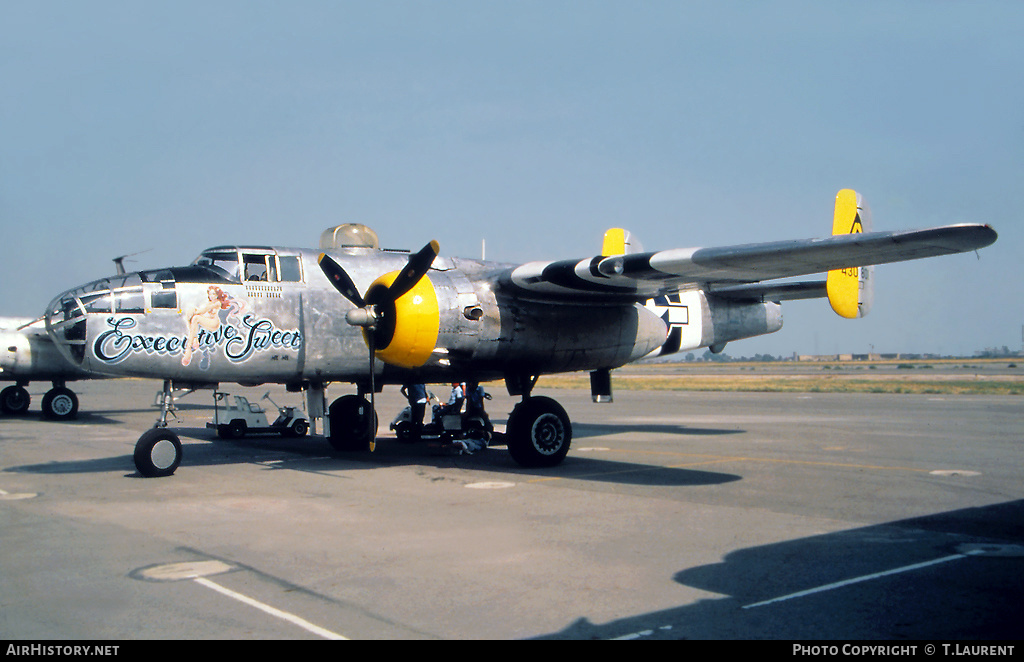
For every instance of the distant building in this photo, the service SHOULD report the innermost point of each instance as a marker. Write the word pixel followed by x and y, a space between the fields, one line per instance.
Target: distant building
pixel 847 357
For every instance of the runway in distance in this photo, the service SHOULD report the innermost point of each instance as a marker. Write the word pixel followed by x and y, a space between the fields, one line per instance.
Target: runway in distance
pixel 352 312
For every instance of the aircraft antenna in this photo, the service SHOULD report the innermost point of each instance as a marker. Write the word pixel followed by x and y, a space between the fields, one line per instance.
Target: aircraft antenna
pixel 119 261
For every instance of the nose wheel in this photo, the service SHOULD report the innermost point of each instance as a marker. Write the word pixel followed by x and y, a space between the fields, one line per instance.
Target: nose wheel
pixel 157 453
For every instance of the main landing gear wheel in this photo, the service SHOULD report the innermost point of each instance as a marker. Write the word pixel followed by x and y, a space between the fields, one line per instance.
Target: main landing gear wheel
pixel 60 404
pixel 157 453
pixel 538 432
pixel 350 428
pixel 14 400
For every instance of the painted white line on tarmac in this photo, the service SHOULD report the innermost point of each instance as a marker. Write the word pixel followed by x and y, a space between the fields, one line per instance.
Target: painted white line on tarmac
pixel 17 496
pixel 198 571
pixel 283 615
pixel 632 636
pixel 857 580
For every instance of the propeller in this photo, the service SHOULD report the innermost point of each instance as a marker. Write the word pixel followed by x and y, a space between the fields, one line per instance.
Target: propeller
pixel 375 312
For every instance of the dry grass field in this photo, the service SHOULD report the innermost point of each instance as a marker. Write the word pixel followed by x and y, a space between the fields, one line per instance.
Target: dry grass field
pixel 940 376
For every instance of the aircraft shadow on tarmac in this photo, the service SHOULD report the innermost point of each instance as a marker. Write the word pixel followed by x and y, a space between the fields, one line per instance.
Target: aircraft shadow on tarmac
pixel 106 416
pixel 313 454
pixel 584 430
pixel 964 597
pixel 83 418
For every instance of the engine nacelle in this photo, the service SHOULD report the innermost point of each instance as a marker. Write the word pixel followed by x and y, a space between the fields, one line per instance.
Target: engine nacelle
pixel 697 319
pixel 484 331
pixel 30 354
pixel 407 330
pixel 542 339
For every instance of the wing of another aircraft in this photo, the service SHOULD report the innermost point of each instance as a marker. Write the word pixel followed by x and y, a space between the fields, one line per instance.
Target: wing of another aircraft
pixel 730 270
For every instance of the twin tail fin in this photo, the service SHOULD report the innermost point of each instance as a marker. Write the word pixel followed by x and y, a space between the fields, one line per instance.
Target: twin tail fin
pixel 851 290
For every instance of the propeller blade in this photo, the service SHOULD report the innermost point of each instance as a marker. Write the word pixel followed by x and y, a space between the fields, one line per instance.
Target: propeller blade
pixel 414 270
pixel 370 419
pixel 340 279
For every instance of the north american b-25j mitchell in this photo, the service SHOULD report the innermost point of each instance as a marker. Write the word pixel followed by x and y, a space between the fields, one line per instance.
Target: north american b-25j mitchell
pixel 352 312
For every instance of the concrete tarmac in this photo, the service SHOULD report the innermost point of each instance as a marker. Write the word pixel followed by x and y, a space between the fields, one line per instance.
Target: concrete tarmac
pixel 677 515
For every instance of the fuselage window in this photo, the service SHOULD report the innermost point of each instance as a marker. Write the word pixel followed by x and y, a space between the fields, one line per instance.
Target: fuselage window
pixel 130 301
pixel 165 299
pixel 291 270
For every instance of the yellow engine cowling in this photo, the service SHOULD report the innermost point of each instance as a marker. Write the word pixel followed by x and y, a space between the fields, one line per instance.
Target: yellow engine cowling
pixel 406 333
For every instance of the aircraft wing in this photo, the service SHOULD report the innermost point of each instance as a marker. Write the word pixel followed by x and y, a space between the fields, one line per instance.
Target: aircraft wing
pixel 786 291
pixel 731 270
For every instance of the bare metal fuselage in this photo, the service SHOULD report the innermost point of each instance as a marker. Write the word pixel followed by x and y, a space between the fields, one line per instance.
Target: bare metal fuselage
pixel 285 323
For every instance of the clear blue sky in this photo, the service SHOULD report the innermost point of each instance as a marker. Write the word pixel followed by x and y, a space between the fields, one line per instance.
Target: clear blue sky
pixel 168 127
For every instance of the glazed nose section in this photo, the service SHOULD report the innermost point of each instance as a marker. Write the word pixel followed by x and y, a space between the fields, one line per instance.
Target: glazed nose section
pixel 66 321
pixel 71 314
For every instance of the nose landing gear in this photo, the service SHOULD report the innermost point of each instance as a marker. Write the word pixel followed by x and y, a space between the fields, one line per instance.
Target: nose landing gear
pixel 158 450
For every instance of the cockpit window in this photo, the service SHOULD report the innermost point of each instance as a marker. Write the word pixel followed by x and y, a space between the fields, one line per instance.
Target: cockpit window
pixel 159 276
pixel 224 262
pixel 256 267
pixel 257 264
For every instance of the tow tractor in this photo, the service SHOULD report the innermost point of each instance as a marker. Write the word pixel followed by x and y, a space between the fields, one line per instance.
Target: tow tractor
pixel 239 417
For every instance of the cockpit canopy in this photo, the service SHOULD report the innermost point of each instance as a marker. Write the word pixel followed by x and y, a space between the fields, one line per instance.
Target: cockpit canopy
pixel 251 264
